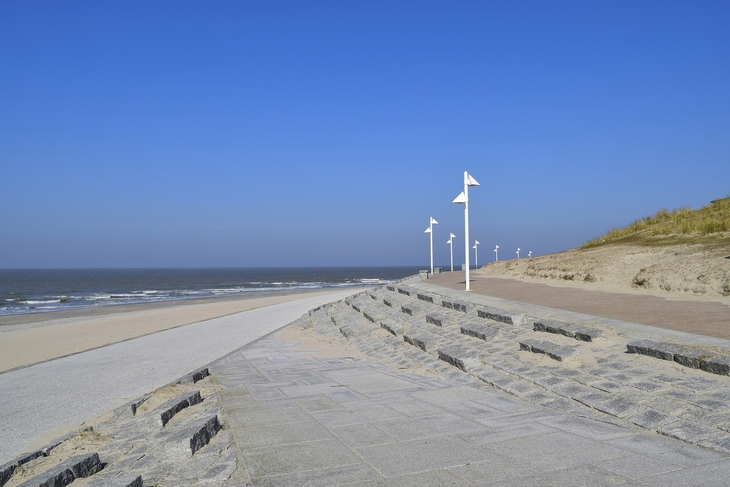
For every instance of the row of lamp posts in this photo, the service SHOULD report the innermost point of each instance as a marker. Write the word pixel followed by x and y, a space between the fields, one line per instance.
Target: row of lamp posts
pixel 463 199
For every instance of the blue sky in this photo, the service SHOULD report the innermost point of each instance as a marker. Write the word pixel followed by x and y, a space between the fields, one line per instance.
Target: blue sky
pixel 232 133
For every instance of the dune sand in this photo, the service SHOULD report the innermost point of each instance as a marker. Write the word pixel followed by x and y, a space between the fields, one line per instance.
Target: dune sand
pixel 33 338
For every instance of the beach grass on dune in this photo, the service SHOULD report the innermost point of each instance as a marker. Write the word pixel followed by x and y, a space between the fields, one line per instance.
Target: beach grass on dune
pixel 710 225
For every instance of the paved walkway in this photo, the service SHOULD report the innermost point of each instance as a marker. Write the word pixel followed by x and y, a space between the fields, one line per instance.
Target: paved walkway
pixel 61 394
pixel 699 317
pixel 305 420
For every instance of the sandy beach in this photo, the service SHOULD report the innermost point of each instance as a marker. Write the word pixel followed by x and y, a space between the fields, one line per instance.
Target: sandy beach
pixel 32 338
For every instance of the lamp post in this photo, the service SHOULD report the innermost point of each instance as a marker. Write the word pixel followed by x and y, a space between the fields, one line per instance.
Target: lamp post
pixel 496 253
pixel 451 244
pixel 429 230
pixel 463 198
pixel 476 254
pixel 518 252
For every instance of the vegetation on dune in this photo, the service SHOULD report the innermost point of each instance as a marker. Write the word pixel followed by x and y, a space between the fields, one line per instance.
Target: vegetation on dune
pixel 710 220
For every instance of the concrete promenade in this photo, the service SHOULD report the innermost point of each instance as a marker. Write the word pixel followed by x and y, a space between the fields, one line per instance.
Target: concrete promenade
pixel 60 394
pixel 415 384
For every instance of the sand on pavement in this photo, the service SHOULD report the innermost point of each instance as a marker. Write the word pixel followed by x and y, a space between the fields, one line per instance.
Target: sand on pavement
pixel 34 338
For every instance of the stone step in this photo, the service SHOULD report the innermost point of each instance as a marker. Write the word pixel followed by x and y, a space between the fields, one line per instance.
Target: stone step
pixel 393 326
pixel 438 319
pixel 695 358
pixel 478 330
pixel 579 332
pixel 496 314
pixel 456 305
pixel 119 480
pixel 552 350
pixel 192 437
pixel 79 466
pixel 162 414
pixel 428 342
pixel 460 357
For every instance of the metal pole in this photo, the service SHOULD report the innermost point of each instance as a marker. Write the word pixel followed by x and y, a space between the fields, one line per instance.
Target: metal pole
pixel 430 227
pixel 466 226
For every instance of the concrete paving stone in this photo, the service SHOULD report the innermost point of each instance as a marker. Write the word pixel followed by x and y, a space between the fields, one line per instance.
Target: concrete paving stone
pixel 432 478
pixel 651 419
pixel 510 419
pixel 264 416
pixel 520 388
pixel 566 373
pixel 678 394
pixel 620 407
pixel 378 382
pixel 709 403
pixel 281 434
pixel 607 385
pixel 551 382
pixel 506 404
pixel 320 403
pixel 340 475
pixel 429 426
pixel 471 409
pixel 573 389
pixel 343 395
pixel 666 405
pixel 286 459
pixel 648 385
pixel 580 476
pixel 394 327
pixel 413 408
pixel 563 354
pixel 492 470
pixel 711 475
pixel 548 326
pixel 587 428
pixel 593 398
pixel 686 431
pixel 454 394
pixel 637 466
pixel 365 434
pixel 357 413
pixel 498 434
pixel 552 451
pixel 698 384
pixel 419 455
pixel 719 443
pixel 667 450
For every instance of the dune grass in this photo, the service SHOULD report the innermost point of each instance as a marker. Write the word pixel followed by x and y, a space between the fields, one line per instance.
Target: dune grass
pixel 712 220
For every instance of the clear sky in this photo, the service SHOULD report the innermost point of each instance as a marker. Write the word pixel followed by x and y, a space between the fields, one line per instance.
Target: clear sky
pixel 267 133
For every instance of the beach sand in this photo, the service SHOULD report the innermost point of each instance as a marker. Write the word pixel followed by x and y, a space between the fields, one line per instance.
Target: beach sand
pixel 33 338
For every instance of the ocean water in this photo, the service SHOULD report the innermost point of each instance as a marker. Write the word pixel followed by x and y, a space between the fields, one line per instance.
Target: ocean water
pixel 42 290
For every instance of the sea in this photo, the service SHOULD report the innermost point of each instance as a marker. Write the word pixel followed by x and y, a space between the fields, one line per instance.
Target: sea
pixel 44 290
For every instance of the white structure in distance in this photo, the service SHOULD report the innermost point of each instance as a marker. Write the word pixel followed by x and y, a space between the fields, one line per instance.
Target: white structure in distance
pixel 496 253
pixel 518 252
pixel 429 230
pixel 450 241
pixel 529 254
pixel 463 198
pixel 476 254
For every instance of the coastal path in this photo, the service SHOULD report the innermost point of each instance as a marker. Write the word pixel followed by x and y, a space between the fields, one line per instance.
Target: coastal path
pixel 45 400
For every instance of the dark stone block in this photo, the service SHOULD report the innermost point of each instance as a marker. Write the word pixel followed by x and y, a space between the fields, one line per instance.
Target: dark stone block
pixel 118 481
pixel 426 342
pixel 582 332
pixel 641 346
pixel 404 291
pixel 410 309
pixel 549 326
pixel 477 330
pixel 425 297
pixel 76 467
pixel 437 319
pixel 562 354
pixel 691 357
pixel 6 471
pixel 719 365
pixel 464 359
pixel 393 327
pixel 663 351
pixel 186 441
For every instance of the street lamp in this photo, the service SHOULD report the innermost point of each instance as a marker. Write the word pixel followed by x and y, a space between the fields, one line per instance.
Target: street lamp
pixel 518 252
pixel 451 244
pixel 431 223
pixel 476 254
pixel 463 198
pixel 496 253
